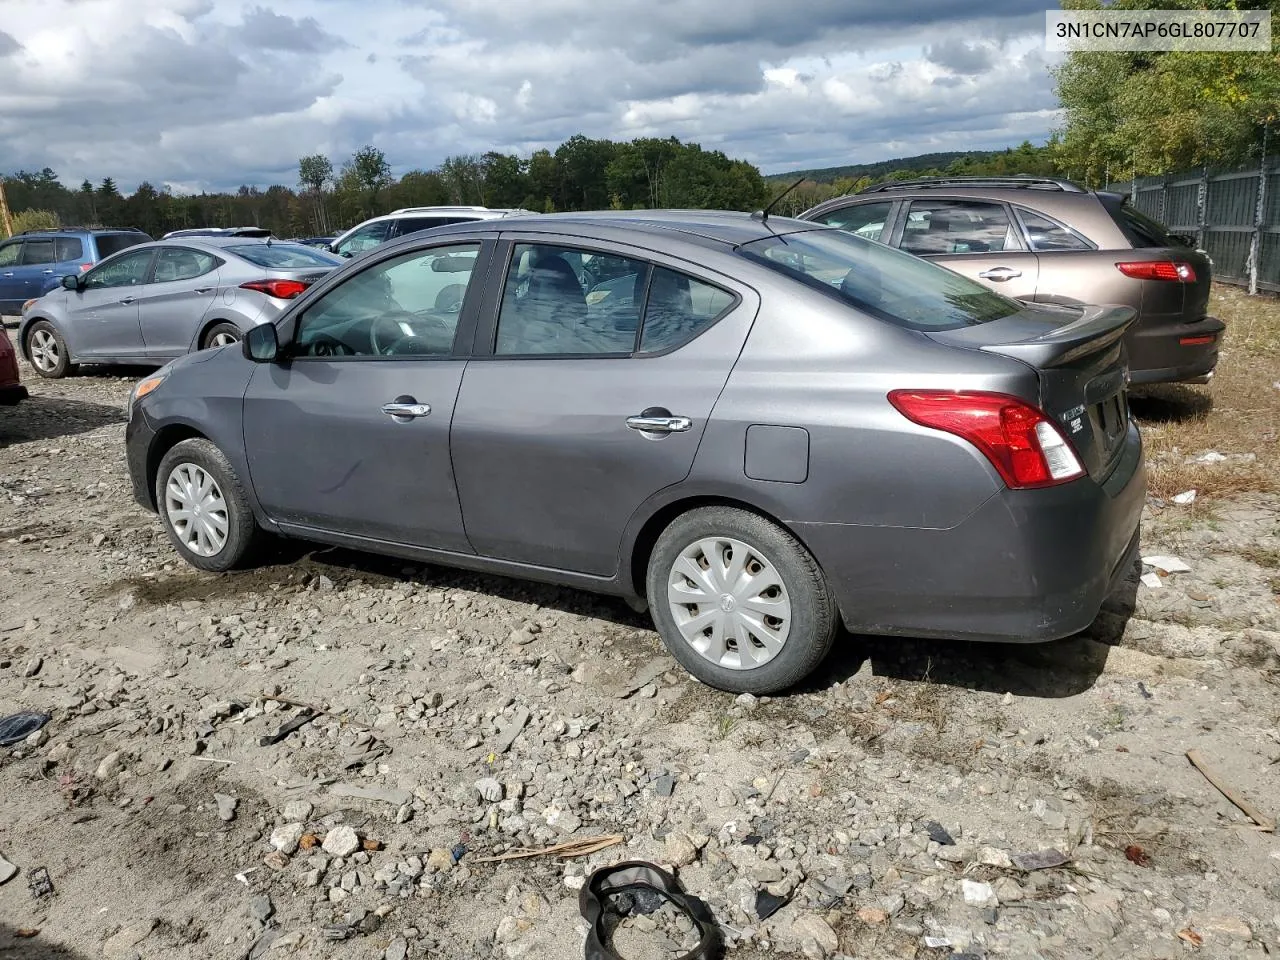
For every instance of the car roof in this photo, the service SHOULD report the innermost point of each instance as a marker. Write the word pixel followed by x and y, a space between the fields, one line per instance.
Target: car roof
pixel 73 231
pixel 716 227
pixel 1052 202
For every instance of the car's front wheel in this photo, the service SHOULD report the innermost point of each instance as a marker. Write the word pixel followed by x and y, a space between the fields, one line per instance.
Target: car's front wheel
pixel 48 351
pixel 221 335
pixel 204 507
pixel 739 601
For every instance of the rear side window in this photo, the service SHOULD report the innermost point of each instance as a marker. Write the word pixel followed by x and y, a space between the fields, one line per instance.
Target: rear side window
pixel 284 256
pixel 1046 235
pixel 179 263
pixel 109 243
pixel 677 308
pixel 939 227
pixel 864 219
pixel 9 253
pixel 880 281
pixel 68 249
pixel 37 252
pixel 410 225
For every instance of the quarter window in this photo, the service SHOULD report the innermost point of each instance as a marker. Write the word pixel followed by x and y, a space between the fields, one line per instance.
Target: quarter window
pixel 126 270
pixel 406 306
pixel 939 227
pixel 9 253
pixel 1044 234
pixel 569 302
pixel 678 308
pixel 864 219
pixel 68 249
pixel 178 263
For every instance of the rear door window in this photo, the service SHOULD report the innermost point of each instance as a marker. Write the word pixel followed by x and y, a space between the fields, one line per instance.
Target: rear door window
pixel 365 238
pixel 109 243
pixel 9 253
pixel 865 219
pixel 179 263
pixel 37 252
pixel 408 225
pixel 68 249
pixel 1046 235
pixel 942 227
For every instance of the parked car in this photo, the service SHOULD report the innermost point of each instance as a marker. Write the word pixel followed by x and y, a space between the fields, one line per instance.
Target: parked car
pixel 322 242
pixel 162 299
pixel 1052 241
pixel 401 223
pixel 11 389
pixel 773 427
pixel 258 232
pixel 33 262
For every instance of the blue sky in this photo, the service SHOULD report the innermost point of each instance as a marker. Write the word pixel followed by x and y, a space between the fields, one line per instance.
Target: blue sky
pixel 210 94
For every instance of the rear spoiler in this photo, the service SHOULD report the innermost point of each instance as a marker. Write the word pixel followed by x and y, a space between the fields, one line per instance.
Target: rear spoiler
pixel 1098 328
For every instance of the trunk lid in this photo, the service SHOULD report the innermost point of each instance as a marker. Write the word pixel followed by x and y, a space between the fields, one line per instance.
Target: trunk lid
pixel 1079 356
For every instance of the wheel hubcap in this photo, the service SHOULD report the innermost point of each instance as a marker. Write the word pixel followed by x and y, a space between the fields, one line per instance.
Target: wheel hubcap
pixel 729 603
pixel 196 509
pixel 44 350
pixel 223 339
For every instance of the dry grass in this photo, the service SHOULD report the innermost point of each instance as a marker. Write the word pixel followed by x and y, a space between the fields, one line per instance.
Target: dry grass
pixel 1238 413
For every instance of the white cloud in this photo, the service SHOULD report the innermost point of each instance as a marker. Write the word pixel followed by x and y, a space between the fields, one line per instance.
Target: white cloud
pixel 208 95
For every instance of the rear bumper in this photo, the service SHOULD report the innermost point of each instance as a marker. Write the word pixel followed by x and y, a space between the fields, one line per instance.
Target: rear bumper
pixel 1027 566
pixel 12 393
pixel 1157 354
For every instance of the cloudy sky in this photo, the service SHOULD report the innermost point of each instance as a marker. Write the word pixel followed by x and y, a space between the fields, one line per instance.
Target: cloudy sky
pixel 215 93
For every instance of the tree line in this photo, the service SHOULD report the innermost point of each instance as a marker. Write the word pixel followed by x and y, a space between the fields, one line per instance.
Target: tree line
pixel 580 174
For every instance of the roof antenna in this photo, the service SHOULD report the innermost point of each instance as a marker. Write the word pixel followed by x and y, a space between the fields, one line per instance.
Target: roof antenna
pixel 763 215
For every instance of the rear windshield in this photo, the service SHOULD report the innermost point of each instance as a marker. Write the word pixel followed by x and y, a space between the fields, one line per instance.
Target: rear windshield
pixel 886 283
pixel 1141 230
pixel 109 243
pixel 284 256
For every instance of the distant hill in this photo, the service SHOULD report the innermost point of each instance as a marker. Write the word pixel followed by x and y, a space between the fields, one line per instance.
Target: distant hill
pixel 925 161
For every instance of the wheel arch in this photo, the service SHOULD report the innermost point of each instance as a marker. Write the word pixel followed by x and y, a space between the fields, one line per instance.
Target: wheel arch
pixel 635 568
pixel 24 335
pixel 208 323
pixel 165 440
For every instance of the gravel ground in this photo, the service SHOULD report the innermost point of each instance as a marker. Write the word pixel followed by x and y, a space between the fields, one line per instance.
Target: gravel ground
pixel 889 807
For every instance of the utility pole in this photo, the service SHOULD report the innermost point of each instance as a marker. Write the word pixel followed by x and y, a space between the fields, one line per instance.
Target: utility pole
pixel 4 212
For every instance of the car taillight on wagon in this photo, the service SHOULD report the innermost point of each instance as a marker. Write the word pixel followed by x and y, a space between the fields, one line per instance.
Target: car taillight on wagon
pixel 1022 443
pixel 1171 270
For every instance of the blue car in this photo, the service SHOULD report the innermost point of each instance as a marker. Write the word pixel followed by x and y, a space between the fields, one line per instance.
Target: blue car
pixel 34 262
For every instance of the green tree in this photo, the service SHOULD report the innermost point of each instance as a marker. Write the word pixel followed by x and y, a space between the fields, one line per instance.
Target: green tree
pixel 372 172
pixel 506 182
pixel 314 174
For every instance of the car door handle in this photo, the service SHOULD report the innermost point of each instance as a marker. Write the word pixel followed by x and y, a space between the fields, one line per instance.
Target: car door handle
pixel 405 411
pixel 660 424
pixel 9 274
pixel 128 300
pixel 1000 273
pixel 203 290
pixel 46 271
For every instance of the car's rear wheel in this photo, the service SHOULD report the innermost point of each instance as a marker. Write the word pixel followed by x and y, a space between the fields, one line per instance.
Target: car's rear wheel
pixel 739 601
pixel 204 507
pixel 221 335
pixel 48 351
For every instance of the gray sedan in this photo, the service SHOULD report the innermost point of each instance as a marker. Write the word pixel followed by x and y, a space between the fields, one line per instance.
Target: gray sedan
pixel 757 428
pixel 157 301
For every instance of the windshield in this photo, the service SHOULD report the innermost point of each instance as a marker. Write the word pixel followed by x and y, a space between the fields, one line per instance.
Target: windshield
pixel 283 256
pixel 881 281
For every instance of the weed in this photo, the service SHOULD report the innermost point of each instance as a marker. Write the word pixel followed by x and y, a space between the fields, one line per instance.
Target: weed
pixel 1261 556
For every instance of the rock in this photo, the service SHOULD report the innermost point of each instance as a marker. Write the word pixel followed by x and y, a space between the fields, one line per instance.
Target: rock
pixel 978 894
pixel 490 790
pixel 37 739
pixel 261 908
pixel 1007 890
pixel 510 929
pixel 226 806
pixel 297 811
pixel 991 857
pixel 276 860
pixel 122 945
pixel 341 842
pixel 397 949
pixel 510 730
pixel 809 927
pixel 392 795
pixel 7 870
pixel 33 666
pixel 873 916
pixel 747 701
pixel 110 767
pixel 679 850
pixel 664 786
pixel 1232 927
pixel 439 860
pixel 285 838
pixel 1039 859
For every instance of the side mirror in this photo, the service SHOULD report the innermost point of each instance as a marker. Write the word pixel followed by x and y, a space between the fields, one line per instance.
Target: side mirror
pixel 261 344
pixel 73 281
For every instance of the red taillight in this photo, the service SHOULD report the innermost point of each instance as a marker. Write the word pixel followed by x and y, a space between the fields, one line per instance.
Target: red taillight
pixel 85 266
pixel 1158 270
pixel 280 289
pixel 1196 341
pixel 1021 442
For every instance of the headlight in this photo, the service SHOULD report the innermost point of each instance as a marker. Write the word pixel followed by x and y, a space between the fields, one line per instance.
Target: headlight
pixel 27 306
pixel 145 386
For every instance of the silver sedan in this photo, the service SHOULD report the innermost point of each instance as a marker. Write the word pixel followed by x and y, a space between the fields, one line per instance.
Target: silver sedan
pixel 156 301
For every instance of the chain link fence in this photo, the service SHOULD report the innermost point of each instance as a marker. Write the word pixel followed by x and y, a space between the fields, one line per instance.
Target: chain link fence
pixel 1233 215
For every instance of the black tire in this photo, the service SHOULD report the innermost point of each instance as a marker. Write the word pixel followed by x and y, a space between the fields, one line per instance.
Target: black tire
pixel 814 621
pixel 44 339
pixel 220 330
pixel 243 537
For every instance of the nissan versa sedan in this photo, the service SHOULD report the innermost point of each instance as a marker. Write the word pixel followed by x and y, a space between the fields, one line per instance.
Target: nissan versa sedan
pixel 757 428
pixel 158 300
